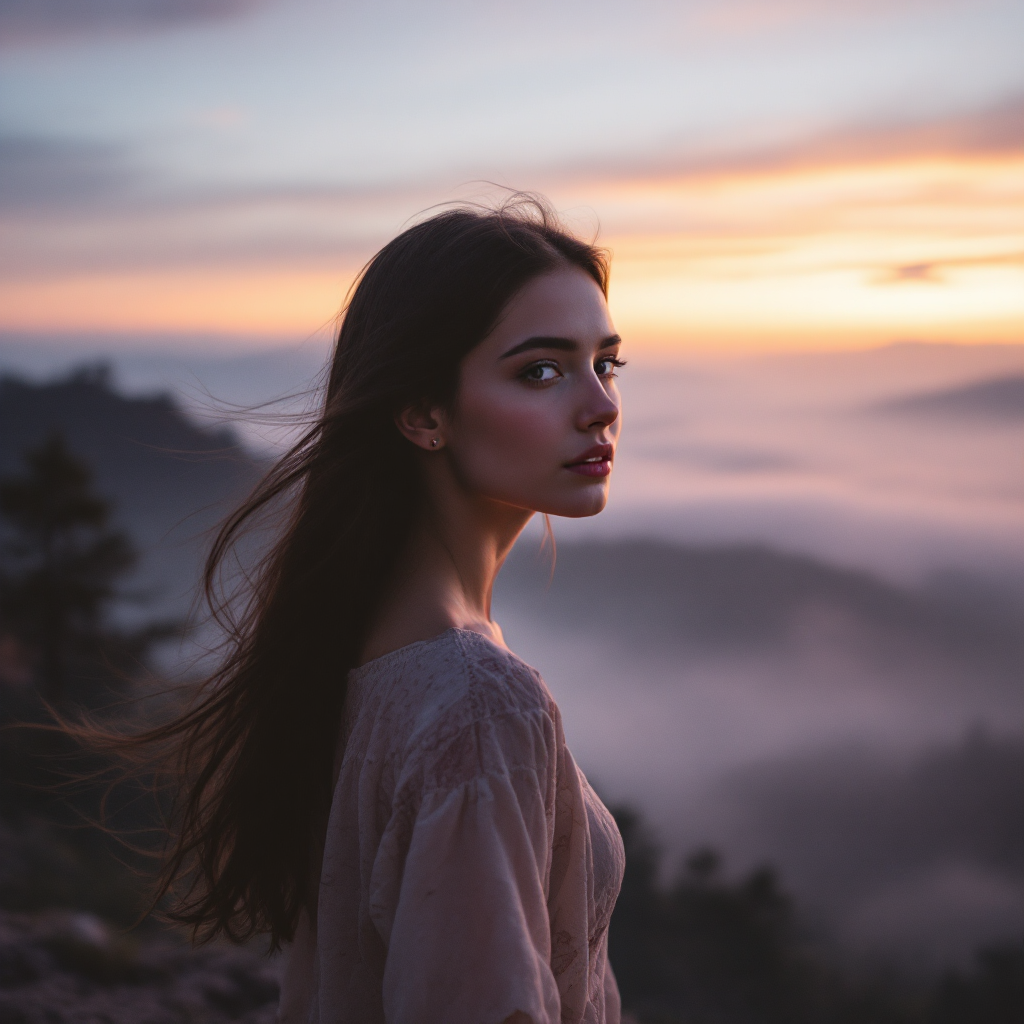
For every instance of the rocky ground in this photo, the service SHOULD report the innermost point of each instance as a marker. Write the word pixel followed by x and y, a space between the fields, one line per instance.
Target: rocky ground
pixel 63 967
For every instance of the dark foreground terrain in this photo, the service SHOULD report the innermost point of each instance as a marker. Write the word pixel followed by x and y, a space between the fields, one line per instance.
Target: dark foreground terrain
pixel 60 966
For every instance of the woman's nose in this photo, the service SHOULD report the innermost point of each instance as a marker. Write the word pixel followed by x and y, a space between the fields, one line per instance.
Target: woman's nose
pixel 600 409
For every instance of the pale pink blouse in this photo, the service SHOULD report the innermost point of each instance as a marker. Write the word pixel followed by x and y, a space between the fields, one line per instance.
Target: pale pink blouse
pixel 469 869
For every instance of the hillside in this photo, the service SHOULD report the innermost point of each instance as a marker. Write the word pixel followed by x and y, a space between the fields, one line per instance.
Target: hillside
pixel 691 601
pixel 169 479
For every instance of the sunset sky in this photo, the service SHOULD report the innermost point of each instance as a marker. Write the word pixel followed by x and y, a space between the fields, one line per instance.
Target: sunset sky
pixel 769 174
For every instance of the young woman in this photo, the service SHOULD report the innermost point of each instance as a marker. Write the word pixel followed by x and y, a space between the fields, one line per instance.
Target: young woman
pixel 372 777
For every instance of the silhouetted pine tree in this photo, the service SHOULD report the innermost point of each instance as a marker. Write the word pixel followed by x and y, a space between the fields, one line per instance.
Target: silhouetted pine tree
pixel 710 950
pixel 992 994
pixel 61 564
pixel 705 950
pixel 60 571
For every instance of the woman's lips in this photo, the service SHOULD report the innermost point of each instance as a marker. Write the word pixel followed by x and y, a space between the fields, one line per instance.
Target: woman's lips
pixel 596 461
pixel 601 468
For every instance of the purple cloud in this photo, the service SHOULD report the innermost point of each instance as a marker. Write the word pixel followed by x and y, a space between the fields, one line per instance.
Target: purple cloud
pixel 34 21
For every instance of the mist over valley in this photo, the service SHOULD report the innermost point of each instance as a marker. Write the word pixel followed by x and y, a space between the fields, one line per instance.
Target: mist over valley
pixel 795 635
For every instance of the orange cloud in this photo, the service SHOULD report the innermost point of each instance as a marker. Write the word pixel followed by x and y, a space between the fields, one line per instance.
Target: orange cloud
pixel 807 257
pixel 251 302
pixel 854 238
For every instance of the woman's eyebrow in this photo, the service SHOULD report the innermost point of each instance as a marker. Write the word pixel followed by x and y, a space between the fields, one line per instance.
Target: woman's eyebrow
pixel 562 344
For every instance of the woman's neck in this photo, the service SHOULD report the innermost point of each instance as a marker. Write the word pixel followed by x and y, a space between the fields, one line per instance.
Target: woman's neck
pixel 447 576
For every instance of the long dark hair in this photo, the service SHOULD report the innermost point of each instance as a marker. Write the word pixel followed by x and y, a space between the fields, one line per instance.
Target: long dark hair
pixel 254 750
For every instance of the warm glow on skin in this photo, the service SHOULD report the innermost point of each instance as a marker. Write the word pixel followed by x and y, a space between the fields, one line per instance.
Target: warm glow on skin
pixel 536 398
pixel 821 254
pixel 533 428
pixel 524 416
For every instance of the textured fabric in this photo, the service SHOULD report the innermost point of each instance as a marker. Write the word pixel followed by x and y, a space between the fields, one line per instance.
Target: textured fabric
pixel 469 870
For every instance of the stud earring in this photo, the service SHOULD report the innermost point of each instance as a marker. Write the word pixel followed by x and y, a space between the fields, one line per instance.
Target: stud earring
pixel 433 442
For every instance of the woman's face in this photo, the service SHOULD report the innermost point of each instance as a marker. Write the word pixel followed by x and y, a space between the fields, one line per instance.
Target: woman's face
pixel 536 417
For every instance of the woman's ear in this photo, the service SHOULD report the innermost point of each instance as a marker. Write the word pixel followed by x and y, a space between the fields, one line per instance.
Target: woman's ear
pixel 422 424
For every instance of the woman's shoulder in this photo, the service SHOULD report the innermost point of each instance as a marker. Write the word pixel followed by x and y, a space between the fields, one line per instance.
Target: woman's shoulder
pixel 458 668
pixel 495 680
pixel 448 683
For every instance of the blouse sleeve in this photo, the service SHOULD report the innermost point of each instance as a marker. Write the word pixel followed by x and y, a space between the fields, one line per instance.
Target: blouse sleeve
pixel 469 940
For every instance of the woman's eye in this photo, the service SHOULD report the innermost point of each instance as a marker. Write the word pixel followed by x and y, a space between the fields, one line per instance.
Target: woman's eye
pixel 607 366
pixel 541 373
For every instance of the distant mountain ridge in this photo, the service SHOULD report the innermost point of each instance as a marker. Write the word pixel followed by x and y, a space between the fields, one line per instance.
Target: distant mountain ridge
pixel 170 480
pixel 698 600
pixel 994 398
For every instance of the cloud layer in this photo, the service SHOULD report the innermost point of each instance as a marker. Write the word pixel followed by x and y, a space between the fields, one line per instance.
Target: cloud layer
pixel 35 21
pixel 850 237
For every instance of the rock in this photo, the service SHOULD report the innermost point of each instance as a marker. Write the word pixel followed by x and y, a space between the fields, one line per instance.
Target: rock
pixel 61 967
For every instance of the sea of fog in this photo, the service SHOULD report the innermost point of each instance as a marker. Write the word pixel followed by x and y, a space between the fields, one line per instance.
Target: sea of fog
pixel 852 709
pixel 824 453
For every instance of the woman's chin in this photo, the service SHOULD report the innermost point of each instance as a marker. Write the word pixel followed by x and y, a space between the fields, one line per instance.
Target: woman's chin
pixel 579 505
